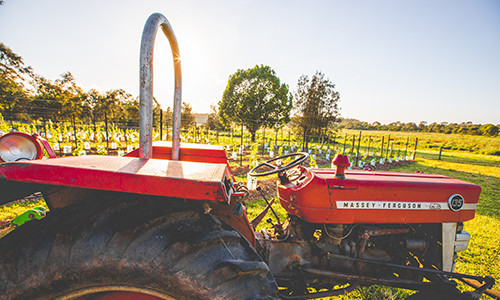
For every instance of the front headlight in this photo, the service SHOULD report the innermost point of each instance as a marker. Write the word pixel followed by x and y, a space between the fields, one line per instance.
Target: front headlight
pixel 17 146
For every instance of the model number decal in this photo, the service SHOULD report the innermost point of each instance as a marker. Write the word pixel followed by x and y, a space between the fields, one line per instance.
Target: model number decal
pixel 396 205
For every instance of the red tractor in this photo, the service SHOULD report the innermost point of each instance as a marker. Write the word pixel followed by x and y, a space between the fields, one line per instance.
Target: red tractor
pixel 168 221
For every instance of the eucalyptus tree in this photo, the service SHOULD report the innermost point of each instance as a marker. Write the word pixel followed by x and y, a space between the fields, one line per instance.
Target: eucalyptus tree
pixel 316 104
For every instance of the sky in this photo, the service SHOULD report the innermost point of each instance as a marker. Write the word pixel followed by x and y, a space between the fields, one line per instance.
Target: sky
pixel 401 60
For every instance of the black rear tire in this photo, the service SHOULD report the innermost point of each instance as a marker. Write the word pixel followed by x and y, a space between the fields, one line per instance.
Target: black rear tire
pixel 144 246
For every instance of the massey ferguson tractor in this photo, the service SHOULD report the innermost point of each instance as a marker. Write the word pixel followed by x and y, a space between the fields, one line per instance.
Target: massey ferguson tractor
pixel 168 221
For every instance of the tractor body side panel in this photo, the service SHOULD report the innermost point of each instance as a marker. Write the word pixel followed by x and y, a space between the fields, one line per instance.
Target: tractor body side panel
pixel 377 197
pixel 155 177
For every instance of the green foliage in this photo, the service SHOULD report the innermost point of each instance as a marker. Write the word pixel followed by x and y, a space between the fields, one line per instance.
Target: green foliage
pixel 254 207
pixel 257 98
pixel 187 116
pixel 101 150
pixel 213 120
pixel 76 150
pixel 27 96
pixel 253 154
pixel 312 162
pixel 316 104
pixel 14 209
pixel 14 78
pixel 4 127
pixel 464 128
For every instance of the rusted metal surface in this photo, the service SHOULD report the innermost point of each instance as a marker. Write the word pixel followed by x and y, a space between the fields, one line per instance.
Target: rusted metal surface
pixel 224 213
pixel 385 231
pixel 154 22
pixel 364 240
pixel 476 284
pixel 285 257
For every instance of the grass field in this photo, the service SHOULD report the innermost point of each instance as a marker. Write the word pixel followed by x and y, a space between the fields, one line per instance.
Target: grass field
pixel 432 141
pixel 462 162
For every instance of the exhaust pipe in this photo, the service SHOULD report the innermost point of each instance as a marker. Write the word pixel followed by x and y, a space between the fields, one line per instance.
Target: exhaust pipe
pixel 155 21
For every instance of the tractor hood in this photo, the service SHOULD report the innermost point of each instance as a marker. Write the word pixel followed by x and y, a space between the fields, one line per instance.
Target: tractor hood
pixel 379 197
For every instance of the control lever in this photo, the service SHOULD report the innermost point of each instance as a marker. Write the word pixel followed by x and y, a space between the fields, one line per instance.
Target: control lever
pixel 263 213
pixel 268 204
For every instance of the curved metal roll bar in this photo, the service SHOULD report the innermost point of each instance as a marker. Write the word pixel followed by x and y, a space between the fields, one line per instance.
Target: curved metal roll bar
pixel 146 86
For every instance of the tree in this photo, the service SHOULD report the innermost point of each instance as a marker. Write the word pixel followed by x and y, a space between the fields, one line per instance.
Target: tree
pixel 57 100
pixel 131 107
pixel 187 116
pixel 167 116
pixel 213 120
pixel 91 102
pixel 256 98
pixel 316 104
pixel 73 104
pixel 13 75
pixel 489 130
pixel 113 104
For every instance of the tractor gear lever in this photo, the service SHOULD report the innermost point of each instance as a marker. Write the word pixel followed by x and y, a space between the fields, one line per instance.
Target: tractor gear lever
pixel 268 204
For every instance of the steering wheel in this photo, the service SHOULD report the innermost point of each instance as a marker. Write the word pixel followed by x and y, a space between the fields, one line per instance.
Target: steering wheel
pixel 301 157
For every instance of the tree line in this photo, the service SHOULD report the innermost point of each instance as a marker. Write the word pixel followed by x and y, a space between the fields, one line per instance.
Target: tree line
pixel 26 96
pixel 443 127
pixel 254 98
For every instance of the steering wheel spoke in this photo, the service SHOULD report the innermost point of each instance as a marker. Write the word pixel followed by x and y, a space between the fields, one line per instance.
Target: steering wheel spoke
pixel 300 158
pixel 269 165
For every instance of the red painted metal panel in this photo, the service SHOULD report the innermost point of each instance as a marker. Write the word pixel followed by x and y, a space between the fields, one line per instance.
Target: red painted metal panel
pixel 180 179
pixel 377 197
pixel 188 152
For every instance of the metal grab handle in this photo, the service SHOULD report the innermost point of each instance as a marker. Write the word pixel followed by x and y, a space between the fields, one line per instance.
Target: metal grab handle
pixel 146 86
